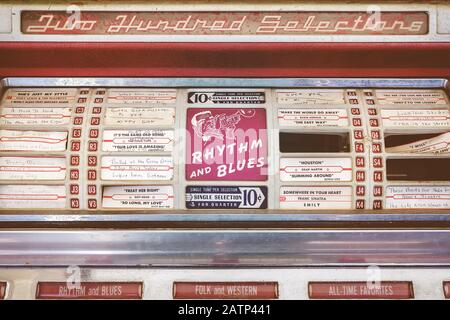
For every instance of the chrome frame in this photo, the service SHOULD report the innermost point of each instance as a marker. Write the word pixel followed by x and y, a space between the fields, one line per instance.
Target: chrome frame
pixel 223 247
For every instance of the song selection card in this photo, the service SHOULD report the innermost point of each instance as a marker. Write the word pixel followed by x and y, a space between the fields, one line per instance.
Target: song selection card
pixel 138 140
pixel 35 116
pixel 299 117
pixel 39 96
pixel 32 196
pixel 316 169
pixel 431 118
pixel 408 97
pixel 137 168
pixel 311 96
pixel 417 197
pixel 316 197
pixel 32 168
pixel 138 197
pixel 436 145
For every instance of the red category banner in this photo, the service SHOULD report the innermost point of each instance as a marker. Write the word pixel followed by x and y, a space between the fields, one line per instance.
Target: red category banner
pixel 89 290
pixel 2 290
pixel 361 290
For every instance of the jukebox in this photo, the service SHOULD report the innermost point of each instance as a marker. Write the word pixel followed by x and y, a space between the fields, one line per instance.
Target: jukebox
pixel 217 150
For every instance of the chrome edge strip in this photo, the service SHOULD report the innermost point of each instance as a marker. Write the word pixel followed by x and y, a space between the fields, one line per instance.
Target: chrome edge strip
pixel 224 217
pixel 225 82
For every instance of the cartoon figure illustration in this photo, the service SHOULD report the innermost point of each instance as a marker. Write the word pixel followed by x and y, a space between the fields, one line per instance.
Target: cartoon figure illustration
pixel 207 126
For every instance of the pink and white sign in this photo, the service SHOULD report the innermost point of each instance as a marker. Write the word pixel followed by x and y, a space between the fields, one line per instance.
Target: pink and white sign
pixel 226 144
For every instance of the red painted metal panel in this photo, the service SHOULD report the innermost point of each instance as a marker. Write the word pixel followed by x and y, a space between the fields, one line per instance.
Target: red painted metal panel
pixel 226 59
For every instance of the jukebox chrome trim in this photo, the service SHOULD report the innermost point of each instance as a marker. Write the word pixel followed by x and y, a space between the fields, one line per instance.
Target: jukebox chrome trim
pixel 231 248
pixel 225 82
pixel 211 216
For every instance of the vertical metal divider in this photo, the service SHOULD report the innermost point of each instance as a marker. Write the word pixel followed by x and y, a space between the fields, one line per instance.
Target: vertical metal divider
pixel 272 150
pixel 275 138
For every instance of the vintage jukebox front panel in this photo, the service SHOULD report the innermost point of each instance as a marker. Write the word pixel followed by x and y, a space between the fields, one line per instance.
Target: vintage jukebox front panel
pixel 301 149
